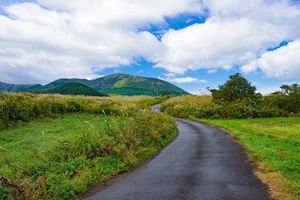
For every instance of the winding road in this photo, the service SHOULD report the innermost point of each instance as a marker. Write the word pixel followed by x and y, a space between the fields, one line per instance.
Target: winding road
pixel 202 163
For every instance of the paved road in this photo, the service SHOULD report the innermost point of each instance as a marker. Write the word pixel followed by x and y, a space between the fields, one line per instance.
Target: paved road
pixel 202 163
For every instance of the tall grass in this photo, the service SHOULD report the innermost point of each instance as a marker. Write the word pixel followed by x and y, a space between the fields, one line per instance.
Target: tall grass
pixel 61 157
pixel 26 107
pixel 203 107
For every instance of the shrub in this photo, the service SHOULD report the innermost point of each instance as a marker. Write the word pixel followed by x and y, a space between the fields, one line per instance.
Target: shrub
pixel 236 99
pixel 246 108
pixel 287 100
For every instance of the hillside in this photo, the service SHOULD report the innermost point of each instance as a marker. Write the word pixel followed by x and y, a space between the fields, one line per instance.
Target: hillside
pixel 72 88
pixel 8 88
pixel 124 84
pixel 116 84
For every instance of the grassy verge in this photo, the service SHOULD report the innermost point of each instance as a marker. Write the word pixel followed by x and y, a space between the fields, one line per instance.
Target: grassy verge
pixel 273 145
pixel 58 147
pixel 27 107
pixel 64 157
pixel 203 107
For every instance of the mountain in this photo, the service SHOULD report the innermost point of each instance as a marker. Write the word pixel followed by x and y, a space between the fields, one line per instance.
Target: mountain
pixel 65 80
pixel 71 88
pixel 123 84
pixel 8 88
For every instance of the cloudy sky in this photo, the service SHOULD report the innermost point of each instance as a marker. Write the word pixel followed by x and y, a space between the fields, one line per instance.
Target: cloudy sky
pixel 191 43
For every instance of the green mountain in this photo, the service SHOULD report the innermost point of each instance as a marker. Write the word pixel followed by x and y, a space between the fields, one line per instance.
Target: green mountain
pixel 8 88
pixel 124 84
pixel 121 84
pixel 71 88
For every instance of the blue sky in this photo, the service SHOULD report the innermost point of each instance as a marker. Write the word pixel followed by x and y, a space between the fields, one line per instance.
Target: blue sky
pixel 193 44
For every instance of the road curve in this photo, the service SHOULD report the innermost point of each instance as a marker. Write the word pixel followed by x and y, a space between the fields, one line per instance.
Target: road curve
pixel 202 163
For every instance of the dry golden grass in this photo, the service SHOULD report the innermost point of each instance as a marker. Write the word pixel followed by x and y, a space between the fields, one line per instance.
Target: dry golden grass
pixel 190 99
pixel 276 182
pixel 26 107
pixel 128 98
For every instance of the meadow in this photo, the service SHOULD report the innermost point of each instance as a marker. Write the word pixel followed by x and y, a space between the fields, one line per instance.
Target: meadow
pixel 59 147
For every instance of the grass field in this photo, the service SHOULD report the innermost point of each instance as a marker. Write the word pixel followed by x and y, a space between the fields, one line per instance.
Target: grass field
pixel 78 143
pixel 185 106
pixel 274 146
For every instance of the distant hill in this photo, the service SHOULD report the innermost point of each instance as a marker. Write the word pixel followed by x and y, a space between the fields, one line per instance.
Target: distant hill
pixel 71 88
pixel 123 84
pixel 8 88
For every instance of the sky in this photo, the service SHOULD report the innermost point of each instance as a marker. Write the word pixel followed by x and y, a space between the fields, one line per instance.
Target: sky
pixel 193 44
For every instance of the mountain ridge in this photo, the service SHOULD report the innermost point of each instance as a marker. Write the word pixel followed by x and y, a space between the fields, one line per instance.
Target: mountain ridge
pixel 115 84
pixel 71 88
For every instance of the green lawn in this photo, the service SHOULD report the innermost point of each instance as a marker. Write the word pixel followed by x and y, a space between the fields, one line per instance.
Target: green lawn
pixel 274 145
pixel 64 157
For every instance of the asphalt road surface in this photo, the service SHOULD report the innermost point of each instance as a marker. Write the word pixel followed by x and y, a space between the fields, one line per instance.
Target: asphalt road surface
pixel 202 163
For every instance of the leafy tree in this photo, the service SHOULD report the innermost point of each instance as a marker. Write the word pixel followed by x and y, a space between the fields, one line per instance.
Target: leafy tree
pixel 288 99
pixel 285 89
pixel 236 88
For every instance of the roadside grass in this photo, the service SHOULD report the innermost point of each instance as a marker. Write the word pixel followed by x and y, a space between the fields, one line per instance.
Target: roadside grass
pixel 58 147
pixel 27 107
pixel 185 106
pixel 64 157
pixel 203 107
pixel 274 146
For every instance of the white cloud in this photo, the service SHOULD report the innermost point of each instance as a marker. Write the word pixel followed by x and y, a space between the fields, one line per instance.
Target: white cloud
pixel 216 43
pixel 184 80
pixel 52 38
pixel 236 33
pixel 283 63
pixel 212 71
pixel 46 39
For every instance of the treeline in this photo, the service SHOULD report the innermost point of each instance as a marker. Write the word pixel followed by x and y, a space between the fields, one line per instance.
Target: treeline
pixel 237 98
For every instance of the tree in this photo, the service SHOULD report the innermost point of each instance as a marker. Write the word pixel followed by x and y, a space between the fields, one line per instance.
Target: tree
pixel 288 99
pixel 236 88
pixel 285 89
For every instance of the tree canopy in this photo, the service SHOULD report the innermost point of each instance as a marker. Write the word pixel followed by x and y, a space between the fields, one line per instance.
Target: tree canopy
pixel 236 88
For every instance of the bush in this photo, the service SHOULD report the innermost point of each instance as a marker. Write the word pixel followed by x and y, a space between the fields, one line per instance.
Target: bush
pixel 236 99
pixel 246 108
pixel 290 104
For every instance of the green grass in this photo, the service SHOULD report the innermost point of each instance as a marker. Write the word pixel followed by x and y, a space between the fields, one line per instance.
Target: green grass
pixel 63 157
pixel 274 144
pixel 121 83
